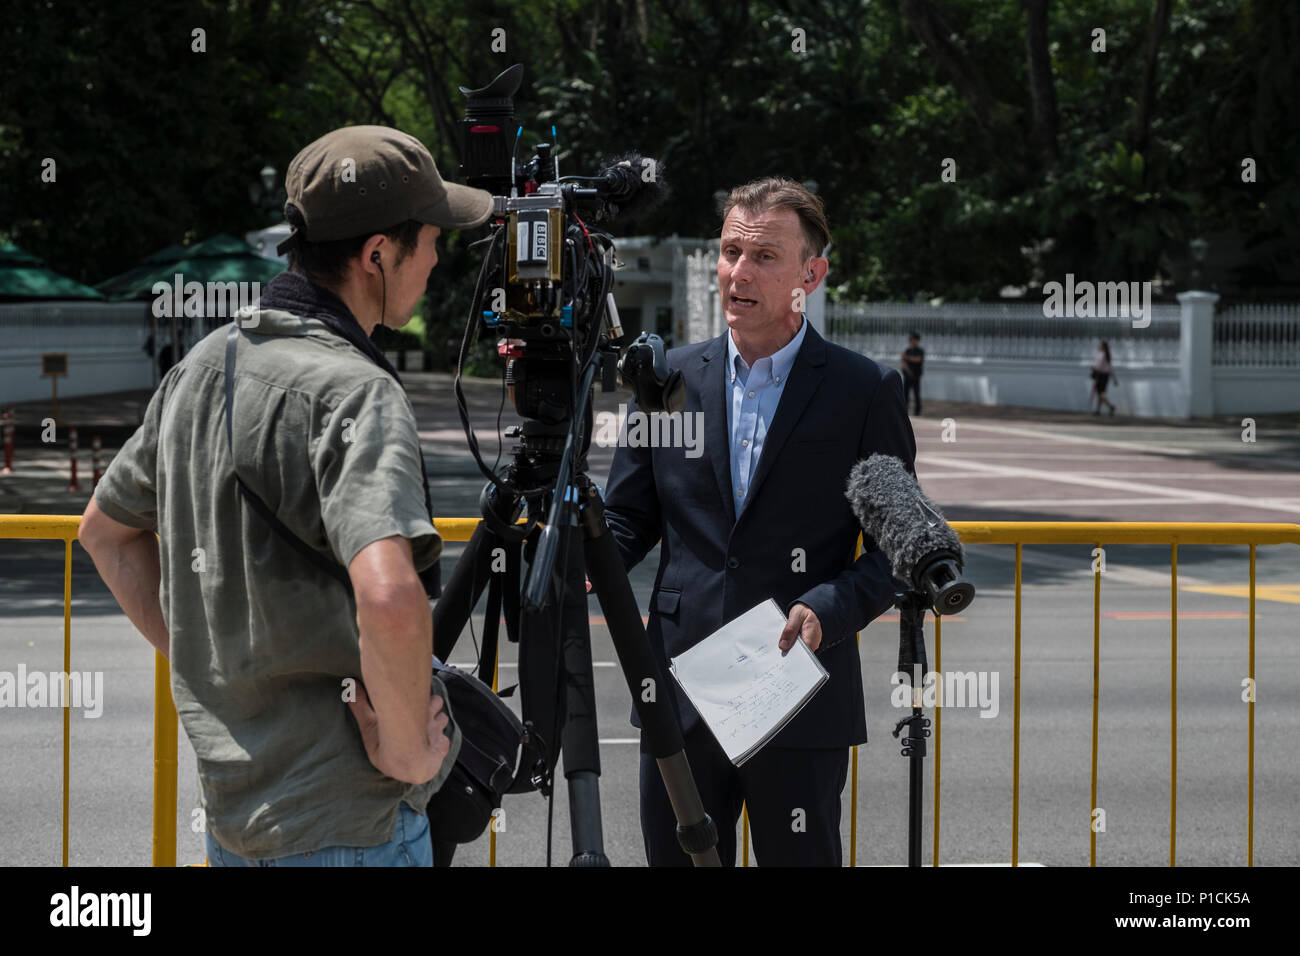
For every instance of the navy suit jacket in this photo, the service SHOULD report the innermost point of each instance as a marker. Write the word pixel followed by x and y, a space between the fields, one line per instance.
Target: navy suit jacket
pixel 837 407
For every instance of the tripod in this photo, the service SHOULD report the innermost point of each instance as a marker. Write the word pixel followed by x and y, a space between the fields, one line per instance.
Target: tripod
pixel 547 475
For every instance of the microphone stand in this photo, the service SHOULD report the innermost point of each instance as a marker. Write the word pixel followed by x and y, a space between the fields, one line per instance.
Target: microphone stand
pixel 912 662
pixel 938 585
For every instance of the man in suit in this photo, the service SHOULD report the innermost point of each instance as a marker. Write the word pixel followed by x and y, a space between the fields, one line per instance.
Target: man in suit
pixel 761 515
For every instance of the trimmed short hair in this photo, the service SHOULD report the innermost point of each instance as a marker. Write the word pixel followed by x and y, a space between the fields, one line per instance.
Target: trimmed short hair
pixel 326 263
pixel 775 192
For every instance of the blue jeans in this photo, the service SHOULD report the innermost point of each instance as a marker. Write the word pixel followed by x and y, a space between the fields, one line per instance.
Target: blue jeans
pixel 409 846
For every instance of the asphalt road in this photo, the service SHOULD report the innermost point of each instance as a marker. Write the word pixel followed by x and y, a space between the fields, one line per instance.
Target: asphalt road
pixel 1005 464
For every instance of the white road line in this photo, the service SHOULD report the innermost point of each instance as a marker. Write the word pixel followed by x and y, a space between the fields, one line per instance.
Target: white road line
pixel 1098 503
pixel 1114 573
pixel 471 665
pixel 1179 494
pixel 1047 456
pixel 1069 439
pixel 1224 476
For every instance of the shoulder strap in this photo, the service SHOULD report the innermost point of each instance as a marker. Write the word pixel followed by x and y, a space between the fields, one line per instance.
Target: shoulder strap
pixel 332 568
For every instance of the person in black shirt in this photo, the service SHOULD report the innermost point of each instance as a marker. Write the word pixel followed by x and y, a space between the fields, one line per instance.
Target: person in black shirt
pixel 913 361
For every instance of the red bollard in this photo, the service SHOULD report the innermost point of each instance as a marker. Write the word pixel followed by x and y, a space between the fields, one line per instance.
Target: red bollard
pixel 72 450
pixel 94 463
pixel 9 442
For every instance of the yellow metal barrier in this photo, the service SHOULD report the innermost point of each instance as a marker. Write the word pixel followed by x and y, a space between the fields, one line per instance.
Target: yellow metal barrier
pixel 1096 533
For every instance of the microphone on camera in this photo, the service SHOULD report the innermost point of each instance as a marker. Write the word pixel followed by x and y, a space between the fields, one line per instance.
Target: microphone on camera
pixel 922 548
pixel 633 183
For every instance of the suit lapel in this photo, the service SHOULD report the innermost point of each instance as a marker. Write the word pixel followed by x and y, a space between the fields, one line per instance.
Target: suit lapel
pixel 712 384
pixel 805 377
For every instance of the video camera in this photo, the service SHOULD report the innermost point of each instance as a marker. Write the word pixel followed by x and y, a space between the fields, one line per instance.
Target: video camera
pixel 544 291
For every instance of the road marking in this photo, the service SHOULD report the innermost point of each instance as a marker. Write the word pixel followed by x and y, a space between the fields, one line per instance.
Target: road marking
pixel 1076 502
pixel 1117 457
pixel 1071 439
pixel 1114 573
pixel 1209 476
pixel 1174 494
pixel 1140 577
pixel 1182 615
pixel 473 665
pixel 947 618
pixel 1285 593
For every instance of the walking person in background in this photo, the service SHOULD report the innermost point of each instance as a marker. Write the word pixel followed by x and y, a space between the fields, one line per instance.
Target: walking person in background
pixel 913 362
pixel 1102 373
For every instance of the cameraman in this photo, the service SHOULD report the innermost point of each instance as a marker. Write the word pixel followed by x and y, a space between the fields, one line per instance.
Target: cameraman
pixel 264 647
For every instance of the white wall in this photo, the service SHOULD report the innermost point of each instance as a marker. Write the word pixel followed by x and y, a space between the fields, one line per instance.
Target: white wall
pixel 1155 392
pixel 104 343
pixel 1256 391
pixel 1188 362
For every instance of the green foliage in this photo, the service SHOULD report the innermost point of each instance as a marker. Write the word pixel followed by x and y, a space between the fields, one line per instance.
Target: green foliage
pixel 156 143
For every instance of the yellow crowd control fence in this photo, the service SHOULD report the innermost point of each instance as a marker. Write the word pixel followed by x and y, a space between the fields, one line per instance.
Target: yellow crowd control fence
pixel 1098 534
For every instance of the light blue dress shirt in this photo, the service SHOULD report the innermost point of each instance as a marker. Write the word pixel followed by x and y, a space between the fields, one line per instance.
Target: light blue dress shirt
pixel 755 394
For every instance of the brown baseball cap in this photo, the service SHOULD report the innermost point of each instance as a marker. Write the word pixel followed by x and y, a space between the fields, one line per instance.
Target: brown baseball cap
pixel 358 180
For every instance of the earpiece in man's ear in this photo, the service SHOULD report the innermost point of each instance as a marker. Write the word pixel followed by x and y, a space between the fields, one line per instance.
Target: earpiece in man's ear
pixel 374 257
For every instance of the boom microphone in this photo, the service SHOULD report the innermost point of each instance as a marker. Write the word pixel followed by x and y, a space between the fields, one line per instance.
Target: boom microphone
pixel 632 182
pixel 922 549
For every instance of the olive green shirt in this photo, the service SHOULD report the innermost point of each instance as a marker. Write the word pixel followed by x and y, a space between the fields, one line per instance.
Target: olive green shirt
pixel 262 640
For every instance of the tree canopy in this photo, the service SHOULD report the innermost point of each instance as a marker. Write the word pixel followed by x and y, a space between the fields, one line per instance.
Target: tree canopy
pixel 961 146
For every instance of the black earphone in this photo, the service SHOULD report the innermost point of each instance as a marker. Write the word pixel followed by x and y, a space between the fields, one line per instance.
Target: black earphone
pixel 377 260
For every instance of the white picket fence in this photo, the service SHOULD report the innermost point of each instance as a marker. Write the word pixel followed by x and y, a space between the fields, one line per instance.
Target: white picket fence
pixel 1188 362
pixel 1258 335
pixel 1000 332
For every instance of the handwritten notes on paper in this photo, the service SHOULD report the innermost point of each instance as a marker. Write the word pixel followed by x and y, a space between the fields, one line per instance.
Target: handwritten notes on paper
pixel 745 689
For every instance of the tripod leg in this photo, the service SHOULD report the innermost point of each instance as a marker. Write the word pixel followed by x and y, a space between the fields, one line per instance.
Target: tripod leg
pixel 696 831
pixel 463 590
pixel 555 675
pixel 580 741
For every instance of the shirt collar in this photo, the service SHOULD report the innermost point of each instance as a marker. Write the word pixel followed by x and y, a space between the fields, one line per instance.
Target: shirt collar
pixel 782 358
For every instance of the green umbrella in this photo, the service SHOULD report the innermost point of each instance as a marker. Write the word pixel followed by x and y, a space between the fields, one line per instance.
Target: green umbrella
pixel 220 258
pixel 218 245
pixel 209 269
pixel 24 276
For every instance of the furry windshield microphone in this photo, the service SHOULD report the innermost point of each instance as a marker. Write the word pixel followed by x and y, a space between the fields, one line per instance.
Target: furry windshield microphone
pixel 633 183
pixel 923 550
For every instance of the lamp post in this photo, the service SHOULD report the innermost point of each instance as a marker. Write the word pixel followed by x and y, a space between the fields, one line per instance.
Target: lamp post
pixel 266 196
pixel 1197 247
